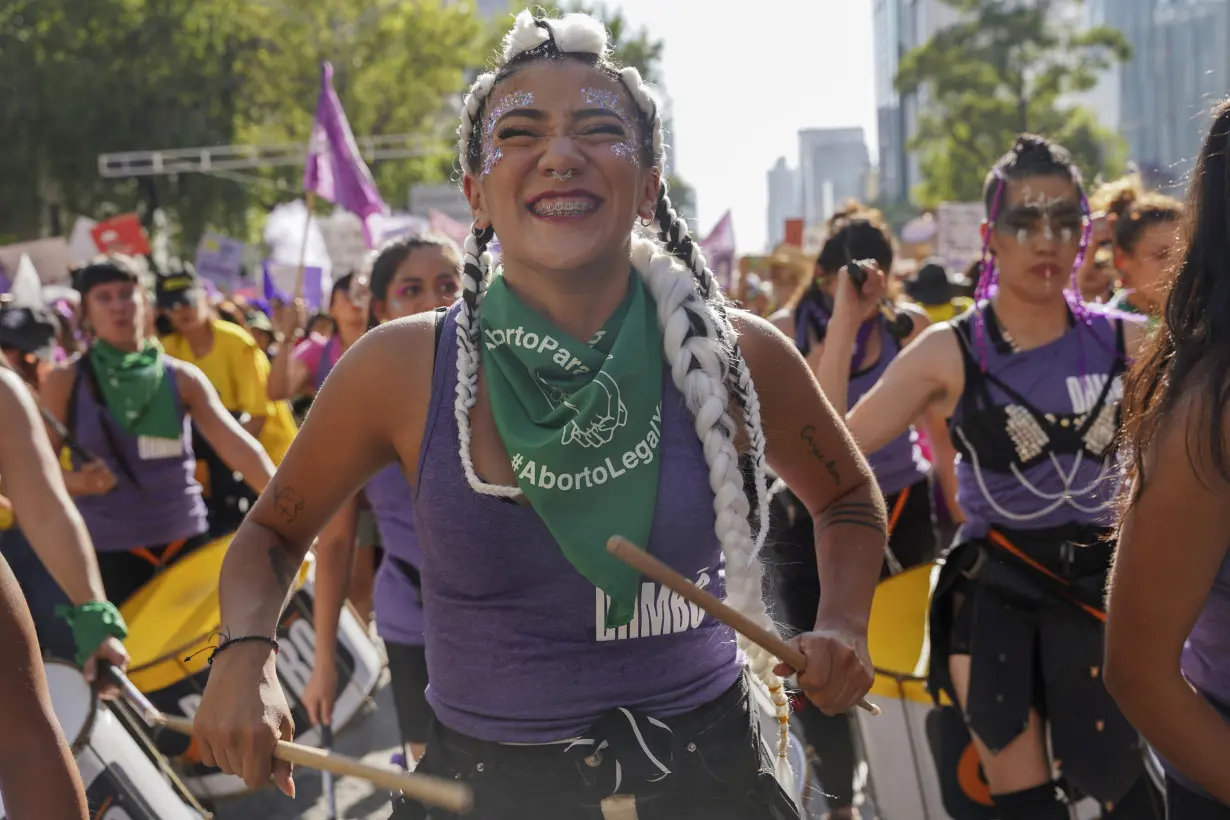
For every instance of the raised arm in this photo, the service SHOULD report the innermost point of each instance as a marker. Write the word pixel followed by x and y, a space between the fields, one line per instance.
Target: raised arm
pixel 372 411
pixel 1173 542
pixel 809 447
pixel 233 444
pixel 927 373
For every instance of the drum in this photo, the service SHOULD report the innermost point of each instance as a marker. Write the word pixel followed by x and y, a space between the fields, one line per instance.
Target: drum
pixel 904 781
pixel 921 759
pixel 120 781
pixel 173 623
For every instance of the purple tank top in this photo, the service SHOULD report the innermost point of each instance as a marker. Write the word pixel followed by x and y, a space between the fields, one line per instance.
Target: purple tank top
pixel 1064 381
pixel 900 463
pixel 517 650
pixel 1206 655
pixel 398 595
pixel 167 506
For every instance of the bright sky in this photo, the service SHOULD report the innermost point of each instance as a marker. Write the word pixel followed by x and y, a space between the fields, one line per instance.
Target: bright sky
pixel 744 78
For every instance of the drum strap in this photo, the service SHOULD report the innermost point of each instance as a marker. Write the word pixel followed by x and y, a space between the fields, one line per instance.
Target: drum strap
pixel 1055 583
pixel 898 508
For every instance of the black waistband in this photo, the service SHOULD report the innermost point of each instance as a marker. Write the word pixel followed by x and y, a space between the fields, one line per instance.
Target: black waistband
pixel 682 725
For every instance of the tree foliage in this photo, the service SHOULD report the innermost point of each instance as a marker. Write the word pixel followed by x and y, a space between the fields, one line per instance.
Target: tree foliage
pixel 1004 69
pixel 85 77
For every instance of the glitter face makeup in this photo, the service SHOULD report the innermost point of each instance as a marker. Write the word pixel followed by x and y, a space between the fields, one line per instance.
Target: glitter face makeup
pixel 628 149
pixel 1051 219
pixel 492 154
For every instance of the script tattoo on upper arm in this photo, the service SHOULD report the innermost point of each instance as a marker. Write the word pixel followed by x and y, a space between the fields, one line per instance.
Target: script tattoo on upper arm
pixel 858 513
pixel 289 503
pixel 808 434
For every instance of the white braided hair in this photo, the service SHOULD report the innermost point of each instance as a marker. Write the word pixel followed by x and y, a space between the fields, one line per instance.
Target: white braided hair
pixel 706 365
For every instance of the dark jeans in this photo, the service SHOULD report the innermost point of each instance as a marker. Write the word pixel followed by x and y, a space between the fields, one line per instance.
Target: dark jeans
pixel 719 772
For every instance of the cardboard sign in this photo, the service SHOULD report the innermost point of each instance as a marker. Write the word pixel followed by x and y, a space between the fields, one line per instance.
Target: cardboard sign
pixel 958 238
pixel 121 234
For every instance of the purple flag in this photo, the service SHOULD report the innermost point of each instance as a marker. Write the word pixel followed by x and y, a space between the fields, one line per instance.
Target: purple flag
pixel 335 170
pixel 280 281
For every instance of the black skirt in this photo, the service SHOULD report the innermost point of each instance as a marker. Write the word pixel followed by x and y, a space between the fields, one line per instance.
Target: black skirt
pixel 1026 606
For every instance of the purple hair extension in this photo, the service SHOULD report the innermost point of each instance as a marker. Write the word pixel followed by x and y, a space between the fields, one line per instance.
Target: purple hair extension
pixel 989 274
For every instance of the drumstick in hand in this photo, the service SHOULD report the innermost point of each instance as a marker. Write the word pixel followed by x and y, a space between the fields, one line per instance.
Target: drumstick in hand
pixel 456 797
pixel 655 570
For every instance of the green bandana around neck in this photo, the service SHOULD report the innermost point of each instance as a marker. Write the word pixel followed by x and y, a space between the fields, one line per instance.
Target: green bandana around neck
pixel 137 389
pixel 582 424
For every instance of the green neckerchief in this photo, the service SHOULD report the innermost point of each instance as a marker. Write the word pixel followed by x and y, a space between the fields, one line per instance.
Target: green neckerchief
pixel 582 424
pixel 137 390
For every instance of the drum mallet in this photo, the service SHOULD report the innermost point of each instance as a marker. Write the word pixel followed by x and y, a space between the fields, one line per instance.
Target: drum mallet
pixel 655 570
pixel 456 797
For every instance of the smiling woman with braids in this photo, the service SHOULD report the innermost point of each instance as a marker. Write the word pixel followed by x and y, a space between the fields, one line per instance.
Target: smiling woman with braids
pixel 590 387
pixel 1030 381
pixel 1168 637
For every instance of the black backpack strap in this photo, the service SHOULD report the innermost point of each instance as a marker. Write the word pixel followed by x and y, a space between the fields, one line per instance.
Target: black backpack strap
pixel 85 370
pixel 441 316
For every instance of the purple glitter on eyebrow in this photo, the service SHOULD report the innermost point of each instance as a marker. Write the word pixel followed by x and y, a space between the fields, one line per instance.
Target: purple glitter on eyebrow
pixel 491 154
pixel 601 98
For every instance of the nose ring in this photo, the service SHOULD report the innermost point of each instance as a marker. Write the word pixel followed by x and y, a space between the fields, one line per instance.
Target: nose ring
pixel 564 177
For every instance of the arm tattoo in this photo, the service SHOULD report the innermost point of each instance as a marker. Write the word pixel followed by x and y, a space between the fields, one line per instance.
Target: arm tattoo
pixel 808 435
pixel 857 513
pixel 284 567
pixel 289 503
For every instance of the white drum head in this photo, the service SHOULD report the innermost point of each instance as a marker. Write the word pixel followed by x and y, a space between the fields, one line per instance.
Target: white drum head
pixel 71 697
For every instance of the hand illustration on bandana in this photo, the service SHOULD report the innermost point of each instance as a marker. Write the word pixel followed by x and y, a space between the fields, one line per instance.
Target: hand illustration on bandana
pixel 598 428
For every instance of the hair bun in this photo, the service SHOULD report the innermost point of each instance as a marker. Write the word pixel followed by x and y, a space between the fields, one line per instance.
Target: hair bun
pixel 572 34
pixel 525 35
pixel 579 34
pixel 1031 148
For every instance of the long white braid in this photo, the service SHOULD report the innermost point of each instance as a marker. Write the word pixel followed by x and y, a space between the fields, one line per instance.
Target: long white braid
pixel 687 298
pixel 673 231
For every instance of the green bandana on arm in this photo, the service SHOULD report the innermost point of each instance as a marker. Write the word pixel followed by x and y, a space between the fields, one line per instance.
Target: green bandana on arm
pixel 91 624
pixel 582 424
pixel 137 389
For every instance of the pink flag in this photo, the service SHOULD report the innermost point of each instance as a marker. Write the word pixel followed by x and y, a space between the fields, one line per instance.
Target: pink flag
pixel 444 224
pixel 719 250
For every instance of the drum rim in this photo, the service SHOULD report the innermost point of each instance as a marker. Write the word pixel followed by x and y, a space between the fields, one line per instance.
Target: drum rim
pixel 87 728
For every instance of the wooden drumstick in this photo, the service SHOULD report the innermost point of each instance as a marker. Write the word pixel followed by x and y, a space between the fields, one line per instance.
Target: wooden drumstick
pixel 655 570
pixel 456 797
